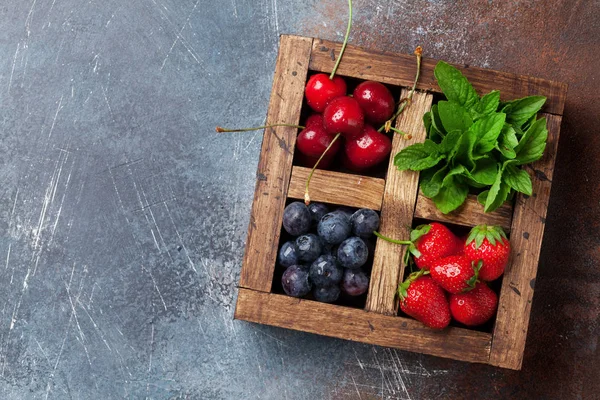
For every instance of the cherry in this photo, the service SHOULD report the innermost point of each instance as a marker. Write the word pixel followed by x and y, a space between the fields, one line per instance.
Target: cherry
pixel 367 150
pixel 314 139
pixel 320 90
pixel 344 115
pixel 316 119
pixel 376 101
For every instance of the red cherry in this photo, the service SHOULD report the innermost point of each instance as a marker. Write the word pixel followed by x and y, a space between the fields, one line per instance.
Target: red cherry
pixel 344 115
pixel 376 101
pixel 320 90
pixel 368 149
pixel 313 140
pixel 314 119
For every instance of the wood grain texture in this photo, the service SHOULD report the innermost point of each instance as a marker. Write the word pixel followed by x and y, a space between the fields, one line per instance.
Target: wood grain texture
pixel 397 210
pixel 400 69
pixel 274 167
pixel 469 214
pixel 361 326
pixel 337 188
pixel 527 232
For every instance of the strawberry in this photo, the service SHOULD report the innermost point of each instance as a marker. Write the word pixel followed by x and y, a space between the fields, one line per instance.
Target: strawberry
pixel 490 245
pixel 455 274
pixel 474 307
pixel 422 299
pixel 433 241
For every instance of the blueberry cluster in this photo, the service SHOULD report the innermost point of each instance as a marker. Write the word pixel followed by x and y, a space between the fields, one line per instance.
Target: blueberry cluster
pixel 328 251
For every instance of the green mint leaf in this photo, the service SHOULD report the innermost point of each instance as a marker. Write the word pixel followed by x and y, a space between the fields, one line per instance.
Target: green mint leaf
pixel 431 180
pixel 464 150
pixel 449 145
pixel 497 193
pixel 520 110
pixel 452 194
pixel 454 85
pixel 485 171
pixel 416 158
pixel 454 116
pixel 427 122
pixel 488 129
pixel 487 105
pixel 482 197
pixel 507 141
pixel 518 179
pixel 431 147
pixel 436 122
pixel 532 144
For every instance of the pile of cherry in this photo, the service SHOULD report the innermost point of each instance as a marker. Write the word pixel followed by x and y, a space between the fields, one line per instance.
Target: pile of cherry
pixel 350 116
pixel 452 276
pixel 329 251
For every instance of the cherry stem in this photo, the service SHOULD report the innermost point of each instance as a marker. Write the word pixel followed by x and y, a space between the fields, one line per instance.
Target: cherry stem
pixel 219 129
pixel 406 101
pixel 337 63
pixel 387 239
pixel 306 196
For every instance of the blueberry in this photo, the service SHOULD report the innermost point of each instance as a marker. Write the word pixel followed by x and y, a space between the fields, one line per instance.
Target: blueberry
pixel 288 254
pixel 330 249
pixel 295 281
pixel 364 222
pixel 309 247
pixel 354 282
pixel 317 210
pixel 325 271
pixel 352 253
pixel 345 211
pixel 326 294
pixel 296 219
pixel 333 228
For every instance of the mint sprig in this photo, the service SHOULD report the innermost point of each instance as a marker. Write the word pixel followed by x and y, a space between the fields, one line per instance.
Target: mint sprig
pixel 475 144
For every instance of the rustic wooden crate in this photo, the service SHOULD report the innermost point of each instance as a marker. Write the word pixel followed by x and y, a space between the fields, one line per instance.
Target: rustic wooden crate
pixel 398 199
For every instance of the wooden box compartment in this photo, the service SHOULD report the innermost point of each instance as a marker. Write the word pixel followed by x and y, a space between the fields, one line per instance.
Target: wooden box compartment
pixel 398 199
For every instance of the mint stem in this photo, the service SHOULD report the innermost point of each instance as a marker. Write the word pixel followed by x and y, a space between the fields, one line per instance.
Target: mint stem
pixel 306 196
pixel 337 63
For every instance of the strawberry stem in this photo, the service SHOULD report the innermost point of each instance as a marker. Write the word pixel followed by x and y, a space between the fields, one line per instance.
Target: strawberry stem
pixel 387 239
pixel 220 129
pixel 306 196
pixel 337 63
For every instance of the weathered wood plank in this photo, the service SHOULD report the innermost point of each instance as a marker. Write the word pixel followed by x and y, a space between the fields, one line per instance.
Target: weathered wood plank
pixel 361 326
pixel 274 167
pixel 397 210
pixel 338 188
pixel 526 237
pixel 469 214
pixel 400 69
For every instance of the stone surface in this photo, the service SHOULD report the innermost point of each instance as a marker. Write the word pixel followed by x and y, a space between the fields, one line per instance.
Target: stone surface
pixel 123 214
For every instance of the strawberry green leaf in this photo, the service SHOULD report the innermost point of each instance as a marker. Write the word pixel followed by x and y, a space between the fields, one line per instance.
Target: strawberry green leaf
pixel 455 86
pixel 419 231
pixel 454 116
pixel 520 110
pixel 518 179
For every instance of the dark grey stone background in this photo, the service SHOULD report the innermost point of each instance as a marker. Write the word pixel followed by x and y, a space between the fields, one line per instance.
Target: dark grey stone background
pixel 123 214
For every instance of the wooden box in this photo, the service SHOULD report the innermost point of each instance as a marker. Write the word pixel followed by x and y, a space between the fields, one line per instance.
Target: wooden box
pixel 398 199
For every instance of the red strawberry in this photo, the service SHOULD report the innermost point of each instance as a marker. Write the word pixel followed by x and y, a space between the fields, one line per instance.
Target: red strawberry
pixel 489 244
pixel 433 241
pixel 474 307
pixel 422 299
pixel 455 274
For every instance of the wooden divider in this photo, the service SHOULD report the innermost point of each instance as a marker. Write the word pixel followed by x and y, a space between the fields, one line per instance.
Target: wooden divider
pixel 397 210
pixel 275 165
pixel 527 232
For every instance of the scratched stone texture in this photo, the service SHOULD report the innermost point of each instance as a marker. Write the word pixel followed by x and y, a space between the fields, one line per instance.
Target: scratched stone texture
pixel 123 214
